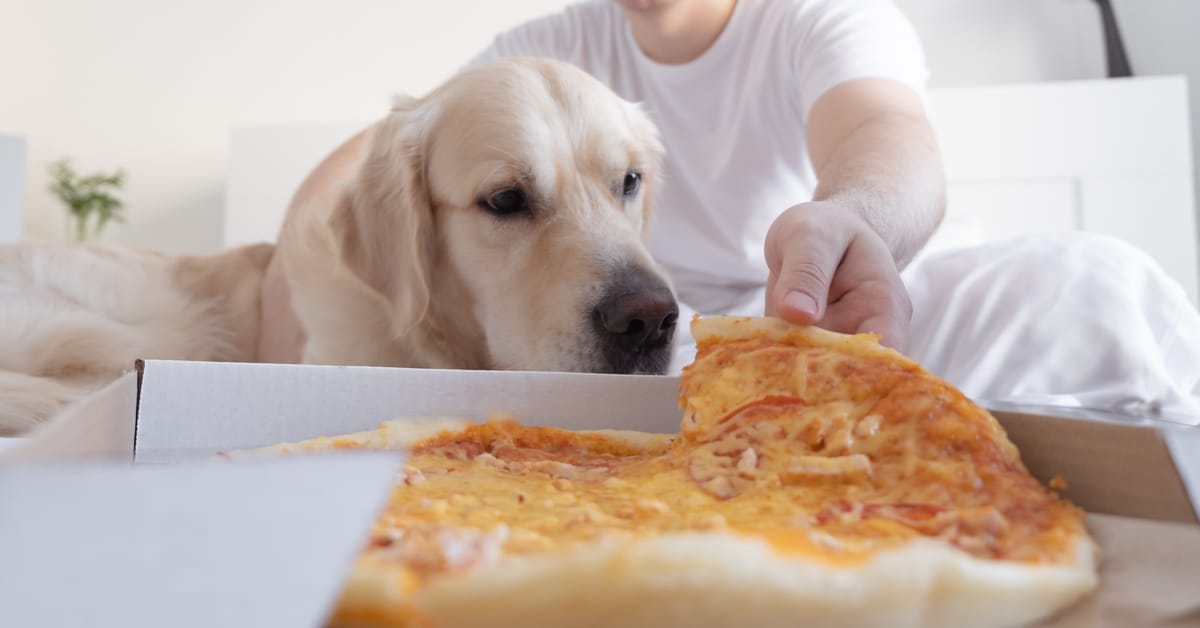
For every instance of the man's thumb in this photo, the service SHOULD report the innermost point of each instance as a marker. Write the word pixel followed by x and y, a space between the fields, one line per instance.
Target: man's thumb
pixel 801 291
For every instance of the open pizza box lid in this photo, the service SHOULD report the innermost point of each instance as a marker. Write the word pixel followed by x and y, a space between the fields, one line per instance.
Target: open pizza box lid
pixel 1139 479
pixel 267 543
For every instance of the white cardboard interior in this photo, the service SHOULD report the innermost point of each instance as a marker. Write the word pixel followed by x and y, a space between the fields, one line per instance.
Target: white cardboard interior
pixel 258 543
pixel 190 409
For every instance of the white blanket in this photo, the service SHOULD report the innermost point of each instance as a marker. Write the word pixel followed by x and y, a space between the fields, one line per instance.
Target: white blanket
pixel 1078 320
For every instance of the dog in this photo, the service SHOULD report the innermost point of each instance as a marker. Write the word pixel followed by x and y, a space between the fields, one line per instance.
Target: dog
pixel 497 223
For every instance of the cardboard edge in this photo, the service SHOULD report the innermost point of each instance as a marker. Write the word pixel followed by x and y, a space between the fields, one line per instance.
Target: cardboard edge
pixel 139 367
pixel 1184 447
pixel 1141 479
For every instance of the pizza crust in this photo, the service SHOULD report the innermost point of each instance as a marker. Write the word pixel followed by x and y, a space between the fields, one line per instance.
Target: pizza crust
pixel 732 328
pixel 711 579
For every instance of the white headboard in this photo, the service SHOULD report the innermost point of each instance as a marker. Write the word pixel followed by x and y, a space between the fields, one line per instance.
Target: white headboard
pixel 1109 156
pixel 12 188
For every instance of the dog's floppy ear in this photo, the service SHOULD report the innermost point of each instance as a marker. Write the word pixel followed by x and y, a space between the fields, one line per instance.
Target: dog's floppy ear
pixel 383 224
pixel 650 153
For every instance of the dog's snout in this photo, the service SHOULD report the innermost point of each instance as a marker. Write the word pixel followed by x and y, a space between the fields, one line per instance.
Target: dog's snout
pixel 635 321
pixel 643 316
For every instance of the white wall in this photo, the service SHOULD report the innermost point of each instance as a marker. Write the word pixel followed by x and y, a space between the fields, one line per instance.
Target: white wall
pixel 1163 37
pixel 12 187
pixel 976 42
pixel 973 42
pixel 154 86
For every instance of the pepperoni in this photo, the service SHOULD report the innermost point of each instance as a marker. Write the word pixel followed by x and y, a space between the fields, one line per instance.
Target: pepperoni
pixel 770 400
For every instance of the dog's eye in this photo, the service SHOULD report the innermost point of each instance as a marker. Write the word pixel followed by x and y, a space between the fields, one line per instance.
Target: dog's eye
pixel 506 202
pixel 633 181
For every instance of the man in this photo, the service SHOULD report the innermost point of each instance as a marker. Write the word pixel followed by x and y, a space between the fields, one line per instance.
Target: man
pixel 802 174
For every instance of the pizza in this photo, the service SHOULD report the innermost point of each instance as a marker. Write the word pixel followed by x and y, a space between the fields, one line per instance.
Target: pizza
pixel 817 479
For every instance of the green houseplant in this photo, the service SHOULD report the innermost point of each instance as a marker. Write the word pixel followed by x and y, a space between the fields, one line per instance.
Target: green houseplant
pixel 91 200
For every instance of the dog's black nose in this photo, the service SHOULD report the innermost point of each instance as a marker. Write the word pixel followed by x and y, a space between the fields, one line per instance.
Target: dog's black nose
pixel 639 318
pixel 636 321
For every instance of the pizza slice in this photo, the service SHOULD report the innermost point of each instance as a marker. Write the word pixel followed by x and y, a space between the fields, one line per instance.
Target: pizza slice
pixel 817 479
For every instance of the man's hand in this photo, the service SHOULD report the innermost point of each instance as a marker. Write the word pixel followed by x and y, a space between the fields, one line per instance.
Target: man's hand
pixel 828 267
pixel 835 261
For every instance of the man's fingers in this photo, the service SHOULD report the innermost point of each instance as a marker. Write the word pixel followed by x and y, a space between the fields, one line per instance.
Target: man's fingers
pixel 892 333
pixel 849 317
pixel 868 296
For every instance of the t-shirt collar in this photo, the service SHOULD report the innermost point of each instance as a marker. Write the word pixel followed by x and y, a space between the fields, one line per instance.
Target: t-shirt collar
pixel 726 41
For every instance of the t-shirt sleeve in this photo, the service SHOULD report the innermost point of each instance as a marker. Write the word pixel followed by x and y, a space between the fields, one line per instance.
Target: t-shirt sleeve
pixel 554 36
pixel 835 41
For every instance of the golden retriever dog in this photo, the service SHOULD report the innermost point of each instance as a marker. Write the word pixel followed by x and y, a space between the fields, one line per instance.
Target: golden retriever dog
pixel 496 223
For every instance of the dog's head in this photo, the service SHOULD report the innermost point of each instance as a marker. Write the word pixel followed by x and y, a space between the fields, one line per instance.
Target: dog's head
pixel 509 206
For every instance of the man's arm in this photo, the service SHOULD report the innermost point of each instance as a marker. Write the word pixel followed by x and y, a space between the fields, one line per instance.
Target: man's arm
pixel 873 149
pixel 835 261
pixel 281 339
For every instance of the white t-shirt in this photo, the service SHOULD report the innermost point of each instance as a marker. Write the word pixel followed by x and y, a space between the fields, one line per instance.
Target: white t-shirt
pixel 732 120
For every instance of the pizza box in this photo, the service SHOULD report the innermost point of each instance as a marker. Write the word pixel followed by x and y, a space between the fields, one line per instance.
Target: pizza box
pixel 1138 478
pixel 196 544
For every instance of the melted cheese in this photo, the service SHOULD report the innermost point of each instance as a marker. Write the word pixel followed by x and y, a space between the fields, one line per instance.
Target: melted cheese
pixel 815 453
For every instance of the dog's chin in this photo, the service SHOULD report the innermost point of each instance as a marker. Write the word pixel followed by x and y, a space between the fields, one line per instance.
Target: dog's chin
pixel 653 359
pixel 590 353
pixel 653 362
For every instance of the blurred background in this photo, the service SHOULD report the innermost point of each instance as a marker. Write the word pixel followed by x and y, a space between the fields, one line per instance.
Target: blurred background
pixel 154 87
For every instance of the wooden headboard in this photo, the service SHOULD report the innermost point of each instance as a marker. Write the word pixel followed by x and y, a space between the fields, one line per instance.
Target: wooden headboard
pixel 1108 156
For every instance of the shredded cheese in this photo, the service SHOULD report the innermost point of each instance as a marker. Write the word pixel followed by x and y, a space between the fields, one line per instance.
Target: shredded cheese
pixel 803 447
pixel 807 466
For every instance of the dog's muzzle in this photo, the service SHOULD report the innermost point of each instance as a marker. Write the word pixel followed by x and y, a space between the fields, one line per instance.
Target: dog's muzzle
pixel 635 322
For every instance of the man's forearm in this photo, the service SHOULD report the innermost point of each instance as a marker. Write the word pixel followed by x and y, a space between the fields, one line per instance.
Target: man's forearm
pixel 890 169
